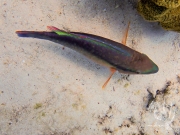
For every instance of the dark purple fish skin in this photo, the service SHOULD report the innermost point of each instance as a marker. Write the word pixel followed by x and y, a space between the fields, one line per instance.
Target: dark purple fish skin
pixel 116 55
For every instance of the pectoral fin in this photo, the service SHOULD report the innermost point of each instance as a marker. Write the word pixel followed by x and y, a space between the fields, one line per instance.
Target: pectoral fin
pixel 125 35
pixel 112 70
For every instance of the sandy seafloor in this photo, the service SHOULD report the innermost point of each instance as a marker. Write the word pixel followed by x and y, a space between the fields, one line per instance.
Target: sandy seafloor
pixel 46 89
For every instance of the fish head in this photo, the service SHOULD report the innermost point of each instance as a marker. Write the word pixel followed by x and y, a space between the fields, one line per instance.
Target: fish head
pixel 142 64
pixel 139 64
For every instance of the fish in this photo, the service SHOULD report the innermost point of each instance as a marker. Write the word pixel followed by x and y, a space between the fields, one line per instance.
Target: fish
pixel 111 54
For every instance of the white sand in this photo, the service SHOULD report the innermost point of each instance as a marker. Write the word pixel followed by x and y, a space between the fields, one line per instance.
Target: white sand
pixel 47 90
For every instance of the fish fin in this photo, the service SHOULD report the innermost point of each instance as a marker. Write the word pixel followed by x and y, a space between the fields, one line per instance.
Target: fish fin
pixel 58 31
pixel 22 33
pixel 54 29
pixel 112 70
pixel 125 35
pixel 28 33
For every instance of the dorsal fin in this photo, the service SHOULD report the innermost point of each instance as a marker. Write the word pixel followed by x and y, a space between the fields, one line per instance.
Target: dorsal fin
pixel 58 31
pixel 52 28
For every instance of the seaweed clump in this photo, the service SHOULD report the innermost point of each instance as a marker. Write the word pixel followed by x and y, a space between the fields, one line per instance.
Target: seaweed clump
pixel 166 12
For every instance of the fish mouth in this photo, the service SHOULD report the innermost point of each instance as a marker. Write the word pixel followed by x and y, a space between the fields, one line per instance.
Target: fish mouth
pixel 154 69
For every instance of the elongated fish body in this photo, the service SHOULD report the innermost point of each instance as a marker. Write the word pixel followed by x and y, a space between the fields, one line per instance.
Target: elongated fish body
pixel 102 50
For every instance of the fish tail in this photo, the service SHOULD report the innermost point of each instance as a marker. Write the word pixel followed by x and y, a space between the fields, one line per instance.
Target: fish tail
pixel 54 36
pixel 34 34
